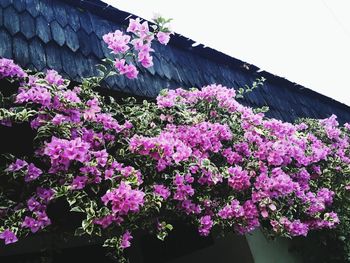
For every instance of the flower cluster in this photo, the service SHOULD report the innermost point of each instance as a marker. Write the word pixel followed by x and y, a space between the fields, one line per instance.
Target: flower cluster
pixel 124 199
pixel 179 143
pixel 287 162
pixel 9 69
pixel 196 155
pixel 61 152
pixel 136 46
pixel 30 171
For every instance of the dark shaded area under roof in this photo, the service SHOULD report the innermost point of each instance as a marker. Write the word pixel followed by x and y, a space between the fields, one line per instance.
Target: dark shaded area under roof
pixel 67 35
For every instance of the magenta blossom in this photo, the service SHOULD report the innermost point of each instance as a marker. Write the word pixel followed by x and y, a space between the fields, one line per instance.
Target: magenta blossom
pixel 8 236
pixel 124 199
pixel 32 173
pixel 129 70
pixel 125 240
pixel 17 165
pixel 53 78
pixel 79 182
pixel 117 41
pixel 161 191
pixel 9 69
pixel 205 225
pixel 163 38
pixel 32 224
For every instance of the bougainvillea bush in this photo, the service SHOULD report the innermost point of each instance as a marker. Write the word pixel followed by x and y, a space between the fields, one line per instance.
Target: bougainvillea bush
pixel 195 155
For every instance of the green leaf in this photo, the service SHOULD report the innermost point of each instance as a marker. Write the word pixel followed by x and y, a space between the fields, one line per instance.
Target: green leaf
pixel 77 209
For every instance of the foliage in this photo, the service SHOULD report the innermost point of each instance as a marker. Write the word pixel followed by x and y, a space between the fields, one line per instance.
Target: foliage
pixel 197 155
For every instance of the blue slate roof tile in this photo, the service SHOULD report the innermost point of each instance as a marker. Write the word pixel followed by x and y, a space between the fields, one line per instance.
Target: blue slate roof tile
pixel 60 13
pixel 95 44
pixel 45 8
pixel 110 82
pixel 37 54
pixel 106 51
pixel 93 61
pixel 53 56
pixel 73 18
pixel 5 3
pixel 1 17
pixel 119 81
pixel 19 5
pixel 6 44
pixel 83 69
pixel 42 29
pixel 68 63
pixel 84 42
pixel 11 20
pixel 156 65
pixel 166 69
pixel 177 75
pixel 151 70
pixel 57 33
pixel 131 87
pixel 85 22
pixel 71 38
pixel 27 25
pixel 20 49
pixel 32 6
pixel 100 26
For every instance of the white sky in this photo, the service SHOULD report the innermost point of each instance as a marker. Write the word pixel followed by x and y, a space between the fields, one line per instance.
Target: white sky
pixel 305 41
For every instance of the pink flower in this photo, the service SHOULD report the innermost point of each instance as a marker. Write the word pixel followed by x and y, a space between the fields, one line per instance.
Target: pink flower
pixel 9 69
pixel 163 38
pixel 53 78
pixel 124 199
pixel 17 165
pixel 105 221
pixel 144 30
pixel 161 191
pixel 239 179
pixel 130 70
pixel 79 182
pixel 205 225
pixel 33 204
pixel 35 94
pixel 145 59
pixel 44 194
pixel 125 240
pixel 32 173
pixel 8 236
pixel 117 41
pixel 31 223
pixel 134 25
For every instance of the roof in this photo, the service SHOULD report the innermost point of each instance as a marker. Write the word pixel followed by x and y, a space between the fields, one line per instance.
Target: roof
pixel 67 35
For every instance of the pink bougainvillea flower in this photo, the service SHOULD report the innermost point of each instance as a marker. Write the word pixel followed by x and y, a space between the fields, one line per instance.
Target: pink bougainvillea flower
pixel 53 78
pixel 8 236
pixel 124 199
pixel 32 173
pixel 17 165
pixel 134 25
pixel 125 240
pixel 206 224
pixel 117 41
pixel 161 191
pixel 32 224
pixel 79 182
pixel 9 69
pixel 163 37
pixel 130 70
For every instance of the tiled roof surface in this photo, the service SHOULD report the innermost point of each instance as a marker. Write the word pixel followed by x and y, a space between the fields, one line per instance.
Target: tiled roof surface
pixel 67 36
